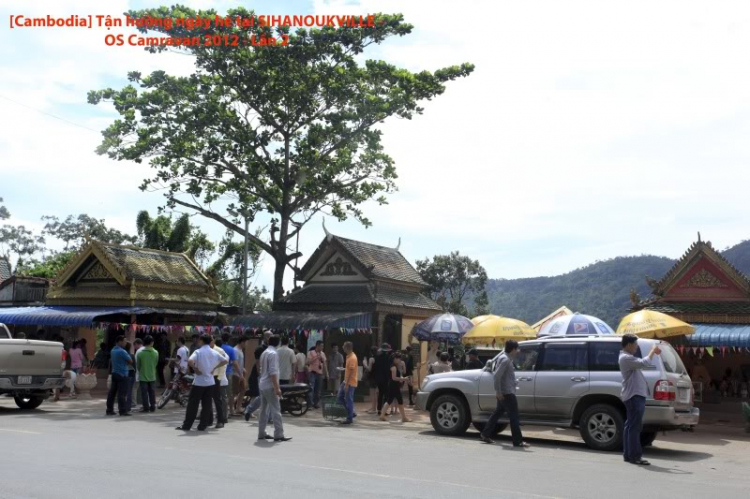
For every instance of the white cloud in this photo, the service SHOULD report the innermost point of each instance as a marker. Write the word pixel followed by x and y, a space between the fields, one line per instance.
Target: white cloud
pixel 588 130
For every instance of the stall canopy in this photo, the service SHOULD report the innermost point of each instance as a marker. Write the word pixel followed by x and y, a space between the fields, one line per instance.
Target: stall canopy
pixel 720 335
pixel 76 316
pixel 305 320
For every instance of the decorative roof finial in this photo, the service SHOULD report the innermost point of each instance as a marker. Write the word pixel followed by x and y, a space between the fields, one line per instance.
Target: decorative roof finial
pixel 328 234
pixel 699 237
pixel 88 237
pixel 399 244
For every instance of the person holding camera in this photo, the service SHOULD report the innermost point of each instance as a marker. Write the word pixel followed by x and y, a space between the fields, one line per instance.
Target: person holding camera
pixel 634 393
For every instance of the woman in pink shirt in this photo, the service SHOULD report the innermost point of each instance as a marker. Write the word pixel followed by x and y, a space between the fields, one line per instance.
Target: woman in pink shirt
pixel 76 358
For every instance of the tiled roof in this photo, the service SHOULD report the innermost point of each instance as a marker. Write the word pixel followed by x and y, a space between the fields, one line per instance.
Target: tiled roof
pixel 5 270
pixel 331 293
pixel 402 298
pixel 381 261
pixel 730 307
pixel 144 264
pixel 359 294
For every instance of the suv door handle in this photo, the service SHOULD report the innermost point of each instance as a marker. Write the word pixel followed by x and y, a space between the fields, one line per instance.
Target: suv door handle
pixel 578 378
pixel 523 379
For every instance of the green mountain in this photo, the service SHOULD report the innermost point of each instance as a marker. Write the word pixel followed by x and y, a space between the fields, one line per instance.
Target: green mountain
pixel 601 289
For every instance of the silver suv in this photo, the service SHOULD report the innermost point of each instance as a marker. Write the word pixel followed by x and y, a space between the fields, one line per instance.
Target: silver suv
pixel 570 381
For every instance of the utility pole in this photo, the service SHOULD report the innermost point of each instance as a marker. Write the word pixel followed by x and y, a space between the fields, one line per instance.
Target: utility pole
pixel 244 266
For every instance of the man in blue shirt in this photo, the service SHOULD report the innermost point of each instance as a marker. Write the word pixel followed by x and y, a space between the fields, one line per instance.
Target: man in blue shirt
pixel 120 360
pixel 232 368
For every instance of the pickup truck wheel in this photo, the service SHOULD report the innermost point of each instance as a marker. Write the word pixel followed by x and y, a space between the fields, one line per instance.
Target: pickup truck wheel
pixel 28 403
pixel 647 438
pixel 449 415
pixel 499 428
pixel 601 427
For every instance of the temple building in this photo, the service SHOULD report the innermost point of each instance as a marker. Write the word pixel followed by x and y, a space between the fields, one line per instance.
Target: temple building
pixel 705 290
pixel 112 284
pixel 356 291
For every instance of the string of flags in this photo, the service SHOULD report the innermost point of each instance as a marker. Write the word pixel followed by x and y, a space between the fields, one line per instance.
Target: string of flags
pixel 701 351
pixel 208 329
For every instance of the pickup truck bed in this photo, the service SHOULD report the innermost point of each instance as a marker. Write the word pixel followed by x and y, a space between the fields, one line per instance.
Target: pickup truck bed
pixel 29 369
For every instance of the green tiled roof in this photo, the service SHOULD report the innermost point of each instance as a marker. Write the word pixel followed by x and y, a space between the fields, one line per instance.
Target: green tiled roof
pixel 5 270
pixel 357 294
pixel 729 307
pixel 150 265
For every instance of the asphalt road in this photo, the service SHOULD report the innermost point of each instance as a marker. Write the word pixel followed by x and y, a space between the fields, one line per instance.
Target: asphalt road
pixel 71 450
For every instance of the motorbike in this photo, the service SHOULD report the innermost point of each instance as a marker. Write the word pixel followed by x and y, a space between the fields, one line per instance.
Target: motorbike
pixel 293 399
pixel 177 390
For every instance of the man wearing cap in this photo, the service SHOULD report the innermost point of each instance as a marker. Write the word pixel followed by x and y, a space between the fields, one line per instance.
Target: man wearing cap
pixel 474 362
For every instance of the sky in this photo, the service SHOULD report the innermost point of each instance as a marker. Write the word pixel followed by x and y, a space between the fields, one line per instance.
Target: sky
pixel 588 130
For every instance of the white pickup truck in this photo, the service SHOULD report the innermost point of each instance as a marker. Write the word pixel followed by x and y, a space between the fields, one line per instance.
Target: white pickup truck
pixel 29 369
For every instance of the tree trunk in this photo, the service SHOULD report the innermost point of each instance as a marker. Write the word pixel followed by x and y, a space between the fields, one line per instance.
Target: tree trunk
pixel 278 278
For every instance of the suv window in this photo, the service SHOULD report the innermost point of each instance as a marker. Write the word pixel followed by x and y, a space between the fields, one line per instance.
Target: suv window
pixel 605 356
pixel 565 357
pixel 672 362
pixel 526 360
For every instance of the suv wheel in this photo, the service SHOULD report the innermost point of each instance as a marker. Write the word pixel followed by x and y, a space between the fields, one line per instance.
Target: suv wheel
pixel 647 438
pixel 601 427
pixel 499 428
pixel 449 415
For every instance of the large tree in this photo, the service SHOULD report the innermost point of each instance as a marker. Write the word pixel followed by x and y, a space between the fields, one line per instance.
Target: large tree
pixel 454 279
pixel 290 131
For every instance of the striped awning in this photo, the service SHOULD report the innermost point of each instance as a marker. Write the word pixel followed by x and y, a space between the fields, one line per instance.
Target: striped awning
pixel 720 335
pixel 305 320
pixel 80 316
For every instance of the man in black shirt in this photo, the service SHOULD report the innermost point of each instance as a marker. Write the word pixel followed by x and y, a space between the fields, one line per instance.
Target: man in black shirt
pixel 382 371
pixel 252 382
pixel 474 362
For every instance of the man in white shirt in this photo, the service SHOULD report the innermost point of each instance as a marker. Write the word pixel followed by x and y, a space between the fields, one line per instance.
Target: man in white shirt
pixel 204 362
pixel 270 393
pixel 183 354
pixel 286 362
pixel 222 386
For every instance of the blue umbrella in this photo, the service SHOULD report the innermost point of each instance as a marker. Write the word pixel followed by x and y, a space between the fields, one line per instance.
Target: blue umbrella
pixel 575 324
pixel 443 327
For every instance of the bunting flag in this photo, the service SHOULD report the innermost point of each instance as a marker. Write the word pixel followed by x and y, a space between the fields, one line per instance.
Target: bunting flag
pixel 710 351
pixel 695 350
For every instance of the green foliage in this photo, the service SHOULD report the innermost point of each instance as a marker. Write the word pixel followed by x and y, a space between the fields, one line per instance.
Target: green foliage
pixel 4 213
pixel 74 230
pixel 47 268
pixel 454 278
pixel 226 272
pixel 178 236
pixel 289 131
pixel 20 242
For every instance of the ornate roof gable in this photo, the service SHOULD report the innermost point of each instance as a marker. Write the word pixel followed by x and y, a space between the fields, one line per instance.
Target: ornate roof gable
pixel 371 260
pixel 700 271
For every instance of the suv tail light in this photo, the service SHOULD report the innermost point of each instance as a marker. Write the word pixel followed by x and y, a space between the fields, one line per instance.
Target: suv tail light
pixel 664 390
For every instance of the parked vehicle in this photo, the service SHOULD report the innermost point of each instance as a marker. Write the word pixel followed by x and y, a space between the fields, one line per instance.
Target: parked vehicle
pixel 293 399
pixel 29 369
pixel 571 381
pixel 177 390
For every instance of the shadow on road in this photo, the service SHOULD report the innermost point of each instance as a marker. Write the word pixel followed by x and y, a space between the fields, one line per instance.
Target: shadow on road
pixel 653 452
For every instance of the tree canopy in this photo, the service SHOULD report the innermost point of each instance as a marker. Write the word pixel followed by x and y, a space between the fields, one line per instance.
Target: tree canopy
pixel 288 131
pixel 453 279
pixel 178 236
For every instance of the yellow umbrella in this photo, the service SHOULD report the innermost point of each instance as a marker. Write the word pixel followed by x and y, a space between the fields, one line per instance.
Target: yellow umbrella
pixel 652 324
pixel 493 328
